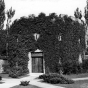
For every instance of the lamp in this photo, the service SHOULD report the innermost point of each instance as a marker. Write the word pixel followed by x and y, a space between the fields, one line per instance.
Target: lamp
pixel 36 36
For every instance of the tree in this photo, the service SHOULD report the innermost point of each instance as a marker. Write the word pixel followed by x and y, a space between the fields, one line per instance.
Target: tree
pixel 2 32
pixel 86 13
pixel 10 13
pixel 78 14
pixel 86 21
pixel 2 14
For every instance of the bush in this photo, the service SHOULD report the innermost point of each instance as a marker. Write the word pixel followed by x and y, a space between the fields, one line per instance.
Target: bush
pixel 6 68
pixel 0 78
pixel 15 72
pixel 85 65
pixel 51 75
pixel 24 83
pixel 25 71
pixel 47 71
pixel 55 78
pixel 71 67
pixel 41 76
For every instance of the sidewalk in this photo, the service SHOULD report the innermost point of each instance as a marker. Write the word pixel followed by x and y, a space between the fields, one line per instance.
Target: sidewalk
pixel 76 79
pixel 44 85
pixel 8 83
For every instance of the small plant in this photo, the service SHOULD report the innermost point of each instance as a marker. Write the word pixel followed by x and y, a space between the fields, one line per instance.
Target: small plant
pixel 15 72
pixel 24 83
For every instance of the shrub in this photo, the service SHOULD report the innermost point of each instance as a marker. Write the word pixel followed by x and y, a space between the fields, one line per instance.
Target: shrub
pixel 85 65
pixel 25 71
pixel 42 76
pixel 0 78
pixel 15 72
pixel 6 68
pixel 51 75
pixel 71 67
pixel 55 78
pixel 47 70
pixel 24 83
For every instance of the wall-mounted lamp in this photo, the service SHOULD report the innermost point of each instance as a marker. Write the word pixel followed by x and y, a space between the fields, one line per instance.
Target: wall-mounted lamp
pixel 36 35
pixel 59 37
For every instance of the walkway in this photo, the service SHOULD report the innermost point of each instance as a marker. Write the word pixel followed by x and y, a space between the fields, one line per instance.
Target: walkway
pixel 76 79
pixel 8 83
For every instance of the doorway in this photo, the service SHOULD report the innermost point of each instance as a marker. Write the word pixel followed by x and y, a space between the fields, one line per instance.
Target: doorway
pixel 37 62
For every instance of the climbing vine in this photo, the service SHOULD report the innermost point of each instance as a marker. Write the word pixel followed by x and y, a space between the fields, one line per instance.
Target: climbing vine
pixel 49 27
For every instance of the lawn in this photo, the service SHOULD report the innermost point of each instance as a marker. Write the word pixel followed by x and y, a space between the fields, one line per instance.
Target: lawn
pixel 77 84
pixel 29 86
pixel 7 76
pixel 81 75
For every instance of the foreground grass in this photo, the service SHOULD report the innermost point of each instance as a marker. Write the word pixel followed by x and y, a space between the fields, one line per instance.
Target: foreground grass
pixel 29 86
pixel 77 84
pixel 81 75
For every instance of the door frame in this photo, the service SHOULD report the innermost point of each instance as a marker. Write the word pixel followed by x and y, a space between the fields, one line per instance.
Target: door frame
pixel 30 63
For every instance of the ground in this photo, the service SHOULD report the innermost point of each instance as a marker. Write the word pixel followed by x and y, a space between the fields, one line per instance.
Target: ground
pixel 81 75
pixel 78 83
pixel 30 86
pixel 83 83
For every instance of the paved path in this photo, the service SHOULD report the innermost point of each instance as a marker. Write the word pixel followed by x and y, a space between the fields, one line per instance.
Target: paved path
pixel 44 85
pixel 13 82
pixel 8 83
pixel 76 79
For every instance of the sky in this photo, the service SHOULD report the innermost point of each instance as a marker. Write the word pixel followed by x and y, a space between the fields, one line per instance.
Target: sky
pixel 27 7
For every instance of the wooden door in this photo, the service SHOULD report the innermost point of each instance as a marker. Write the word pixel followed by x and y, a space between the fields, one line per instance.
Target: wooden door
pixel 37 65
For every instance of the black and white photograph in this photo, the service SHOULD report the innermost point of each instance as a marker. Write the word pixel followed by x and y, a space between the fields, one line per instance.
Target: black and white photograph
pixel 43 43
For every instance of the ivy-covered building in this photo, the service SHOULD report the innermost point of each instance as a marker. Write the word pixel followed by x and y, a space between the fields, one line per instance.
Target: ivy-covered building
pixel 46 42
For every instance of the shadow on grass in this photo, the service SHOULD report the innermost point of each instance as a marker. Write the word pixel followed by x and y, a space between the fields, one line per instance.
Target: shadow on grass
pixel 7 76
pixel 2 82
pixel 76 84
pixel 23 76
pixel 81 75
pixel 29 86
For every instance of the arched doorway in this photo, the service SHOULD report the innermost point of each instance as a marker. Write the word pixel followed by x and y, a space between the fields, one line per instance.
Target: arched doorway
pixel 36 63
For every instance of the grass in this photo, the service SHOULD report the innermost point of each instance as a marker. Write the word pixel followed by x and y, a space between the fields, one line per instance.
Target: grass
pixel 7 76
pixel 77 84
pixel 4 75
pixel 29 86
pixel 81 75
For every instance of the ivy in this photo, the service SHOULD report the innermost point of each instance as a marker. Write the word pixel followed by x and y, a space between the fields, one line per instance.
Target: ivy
pixel 49 27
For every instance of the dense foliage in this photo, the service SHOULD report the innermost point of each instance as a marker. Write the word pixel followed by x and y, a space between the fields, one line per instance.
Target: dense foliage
pixel 0 78
pixel 2 14
pixel 24 83
pixel 55 79
pixel 2 32
pixel 61 37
